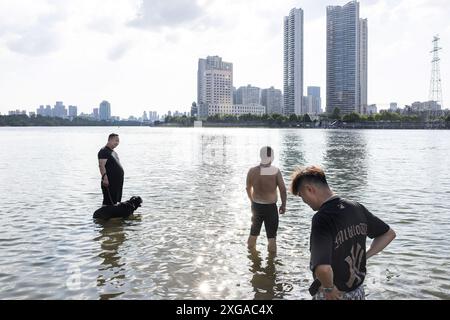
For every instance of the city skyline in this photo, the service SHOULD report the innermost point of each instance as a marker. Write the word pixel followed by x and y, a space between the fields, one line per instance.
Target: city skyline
pixel 135 56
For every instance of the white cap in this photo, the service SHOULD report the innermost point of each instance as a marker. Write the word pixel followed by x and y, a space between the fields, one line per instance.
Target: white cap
pixel 266 155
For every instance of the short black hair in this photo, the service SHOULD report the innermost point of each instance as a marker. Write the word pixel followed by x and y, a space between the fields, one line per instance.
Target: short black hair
pixel 311 174
pixel 112 135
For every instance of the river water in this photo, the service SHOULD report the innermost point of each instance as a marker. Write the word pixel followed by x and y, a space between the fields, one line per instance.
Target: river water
pixel 188 240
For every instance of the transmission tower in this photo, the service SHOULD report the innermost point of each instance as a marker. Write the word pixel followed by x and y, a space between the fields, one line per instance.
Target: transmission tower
pixel 435 85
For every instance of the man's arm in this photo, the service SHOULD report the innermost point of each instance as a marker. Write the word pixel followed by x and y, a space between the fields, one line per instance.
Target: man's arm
pixel 102 167
pixel 379 243
pixel 324 273
pixel 249 185
pixel 283 193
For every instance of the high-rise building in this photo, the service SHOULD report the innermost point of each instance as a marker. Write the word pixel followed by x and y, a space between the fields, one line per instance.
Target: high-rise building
pixel 105 110
pixel 214 83
pixel 346 59
pixel 40 111
pixel 293 62
pixel 363 65
pixel 272 99
pixel 48 111
pixel 372 109
pixel 153 116
pixel 95 114
pixel 73 111
pixel 248 95
pixel 60 110
pixel 313 101
pixel 393 106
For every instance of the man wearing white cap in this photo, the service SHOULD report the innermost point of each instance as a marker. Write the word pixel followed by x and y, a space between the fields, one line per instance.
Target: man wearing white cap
pixel 262 184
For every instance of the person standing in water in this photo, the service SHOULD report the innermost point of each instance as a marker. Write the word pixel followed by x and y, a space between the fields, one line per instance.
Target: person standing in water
pixel 262 184
pixel 111 171
pixel 339 231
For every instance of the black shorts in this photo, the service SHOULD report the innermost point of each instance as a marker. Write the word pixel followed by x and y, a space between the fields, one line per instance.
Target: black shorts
pixel 267 213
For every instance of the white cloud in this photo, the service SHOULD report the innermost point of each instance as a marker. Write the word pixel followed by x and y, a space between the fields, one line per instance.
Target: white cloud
pixel 84 51
pixel 154 14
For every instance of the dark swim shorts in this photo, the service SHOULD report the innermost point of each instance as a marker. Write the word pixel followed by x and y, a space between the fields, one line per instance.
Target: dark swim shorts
pixel 267 213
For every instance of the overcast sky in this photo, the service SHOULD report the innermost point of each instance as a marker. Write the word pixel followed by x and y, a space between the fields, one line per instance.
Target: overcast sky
pixel 142 55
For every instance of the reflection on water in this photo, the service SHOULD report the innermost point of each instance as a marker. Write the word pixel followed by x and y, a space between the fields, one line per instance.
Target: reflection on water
pixel 265 283
pixel 111 272
pixel 190 242
pixel 345 161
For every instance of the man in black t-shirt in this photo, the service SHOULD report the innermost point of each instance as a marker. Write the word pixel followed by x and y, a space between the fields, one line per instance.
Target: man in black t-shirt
pixel 339 231
pixel 111 171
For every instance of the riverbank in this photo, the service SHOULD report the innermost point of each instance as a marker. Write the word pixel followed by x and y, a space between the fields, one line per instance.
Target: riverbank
pixel 323 125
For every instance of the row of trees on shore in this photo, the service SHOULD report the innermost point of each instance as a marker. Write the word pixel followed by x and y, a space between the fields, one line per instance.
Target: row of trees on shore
pixel 266 119
pixel 23 120
pixel 279 119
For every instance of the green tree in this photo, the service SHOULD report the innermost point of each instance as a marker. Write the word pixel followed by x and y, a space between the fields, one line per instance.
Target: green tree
pixel 336 114
pixel 307 118
pixel 352 117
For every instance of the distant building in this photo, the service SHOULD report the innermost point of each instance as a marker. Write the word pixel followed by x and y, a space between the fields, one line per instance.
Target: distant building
pixel 393 106
pixel 40 111
pixel 372 109
pixel 95 114
pixel 48 111
pixel 313 101
pixel 73 112
pixel 248 95
pixel 272 99
pixel 293 63
pixel 425 106
pixel 194 109
pixel 153 116
pixel 347 59
pixel 105 110
pixel 214 84
pixel 144 116
pixel 234 95
pixel 60 111
pixel 17 112
pixel 237 109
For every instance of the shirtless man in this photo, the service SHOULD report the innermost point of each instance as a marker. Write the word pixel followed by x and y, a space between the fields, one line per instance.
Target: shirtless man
pixel 262 184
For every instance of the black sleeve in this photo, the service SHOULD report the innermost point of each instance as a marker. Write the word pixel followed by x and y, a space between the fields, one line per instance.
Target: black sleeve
pixel 321 242
pixel 375 226
pixel 103 154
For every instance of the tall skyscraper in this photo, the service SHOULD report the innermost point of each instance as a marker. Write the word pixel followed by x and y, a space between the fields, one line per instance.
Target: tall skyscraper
pixel 105 110
pixel 272 99
pixel 347 43
pixel 363 64
pixel 214 84
pixel 293 62
pixel 248 95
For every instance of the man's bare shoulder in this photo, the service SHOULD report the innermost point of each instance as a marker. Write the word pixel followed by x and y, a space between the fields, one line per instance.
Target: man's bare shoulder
pixel 253 170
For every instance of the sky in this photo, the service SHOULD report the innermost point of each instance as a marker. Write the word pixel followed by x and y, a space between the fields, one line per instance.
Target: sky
pixel 143 54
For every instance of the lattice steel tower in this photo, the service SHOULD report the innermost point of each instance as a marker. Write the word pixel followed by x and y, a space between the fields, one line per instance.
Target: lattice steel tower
pixel 435 85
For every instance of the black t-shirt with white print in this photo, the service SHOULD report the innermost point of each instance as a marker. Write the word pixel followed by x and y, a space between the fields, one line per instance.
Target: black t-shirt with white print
pixel 338 238
pixel 114 169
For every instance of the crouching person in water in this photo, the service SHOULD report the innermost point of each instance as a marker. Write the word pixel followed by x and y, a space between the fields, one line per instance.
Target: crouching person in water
pixel 338 237
pixel 262 184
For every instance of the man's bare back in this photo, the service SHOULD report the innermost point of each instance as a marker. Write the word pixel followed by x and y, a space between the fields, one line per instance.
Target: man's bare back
pixel 262 184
